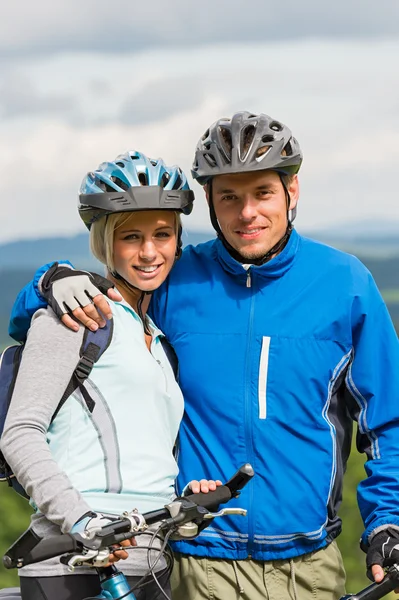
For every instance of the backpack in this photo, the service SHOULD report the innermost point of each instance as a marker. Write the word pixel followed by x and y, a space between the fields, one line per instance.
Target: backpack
pixel 93 347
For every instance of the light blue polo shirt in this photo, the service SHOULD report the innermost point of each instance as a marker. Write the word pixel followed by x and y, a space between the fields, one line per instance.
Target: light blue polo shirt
pixel 125 447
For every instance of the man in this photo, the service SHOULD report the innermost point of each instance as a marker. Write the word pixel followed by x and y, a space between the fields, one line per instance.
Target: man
pixel 282 343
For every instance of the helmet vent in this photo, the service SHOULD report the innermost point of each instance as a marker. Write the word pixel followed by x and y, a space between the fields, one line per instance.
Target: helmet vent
pixel 225 136
pixel 210 159
pixel 247 137
pixel 143 178
pixel 134 157
pixel 120 183
pixel 267 138
pixel 276 126
pixel 153 162
pixel 165 179
pixel 206 134
pixel 287 150
pixel 178 183
pixel 104 186
pixel 261 152
pixel 121 165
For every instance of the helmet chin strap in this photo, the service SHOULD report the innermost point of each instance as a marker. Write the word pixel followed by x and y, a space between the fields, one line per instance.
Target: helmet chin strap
pixel 143 294
pixel 278 247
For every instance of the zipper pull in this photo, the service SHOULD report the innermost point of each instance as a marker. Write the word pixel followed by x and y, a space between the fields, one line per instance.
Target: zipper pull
pixel 248 278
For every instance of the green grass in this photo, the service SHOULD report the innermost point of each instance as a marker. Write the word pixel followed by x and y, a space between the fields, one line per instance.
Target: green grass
pixel 391 296
pixel 14 519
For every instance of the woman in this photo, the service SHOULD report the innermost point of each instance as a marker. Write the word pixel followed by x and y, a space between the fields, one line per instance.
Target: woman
pixel 84 465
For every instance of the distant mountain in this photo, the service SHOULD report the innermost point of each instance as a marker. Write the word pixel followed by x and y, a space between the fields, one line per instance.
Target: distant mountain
pixel 19 260
pixel 373 238
pixel 366 238
pixel 364 228
pixel 26 254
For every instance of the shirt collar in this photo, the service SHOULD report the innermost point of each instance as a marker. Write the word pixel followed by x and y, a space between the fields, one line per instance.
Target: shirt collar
pixel 273 269
pixel 155 331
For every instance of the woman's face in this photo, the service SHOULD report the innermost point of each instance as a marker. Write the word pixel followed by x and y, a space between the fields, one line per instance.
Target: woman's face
pixel 145 248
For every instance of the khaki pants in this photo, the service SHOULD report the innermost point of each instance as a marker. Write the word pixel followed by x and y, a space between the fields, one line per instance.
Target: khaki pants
pixel 316 576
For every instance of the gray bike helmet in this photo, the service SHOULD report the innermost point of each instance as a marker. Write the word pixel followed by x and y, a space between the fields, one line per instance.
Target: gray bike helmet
pixel 246 142
pixel 133 182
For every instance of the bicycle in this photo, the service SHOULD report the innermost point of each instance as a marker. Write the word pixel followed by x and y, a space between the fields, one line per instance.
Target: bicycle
pixel 375 591
pixel 182 518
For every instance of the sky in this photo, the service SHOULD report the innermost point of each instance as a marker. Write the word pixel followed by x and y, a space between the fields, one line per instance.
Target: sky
pixel 81 82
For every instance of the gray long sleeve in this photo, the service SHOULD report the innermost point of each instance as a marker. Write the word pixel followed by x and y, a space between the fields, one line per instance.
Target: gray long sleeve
pixel 49 359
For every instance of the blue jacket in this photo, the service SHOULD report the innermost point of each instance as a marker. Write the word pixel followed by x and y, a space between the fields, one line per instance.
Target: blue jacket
pixel 274 365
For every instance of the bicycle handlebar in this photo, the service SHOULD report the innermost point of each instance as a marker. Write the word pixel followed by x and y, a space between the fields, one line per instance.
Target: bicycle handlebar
pixel 375 591
pixel 182 510
pixel 225 492
pixel 48 548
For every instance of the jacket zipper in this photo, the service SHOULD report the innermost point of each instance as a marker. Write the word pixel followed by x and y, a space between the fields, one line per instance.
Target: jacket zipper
pixel 249 278
pixel 248 411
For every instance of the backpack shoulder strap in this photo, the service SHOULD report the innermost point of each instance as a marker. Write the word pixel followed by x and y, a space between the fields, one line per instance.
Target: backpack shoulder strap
pixel 9 365
pixel 10 360
pixel 93 346
pixel 171 356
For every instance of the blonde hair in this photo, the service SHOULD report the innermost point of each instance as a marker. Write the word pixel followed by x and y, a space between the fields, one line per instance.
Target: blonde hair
pixel 102 233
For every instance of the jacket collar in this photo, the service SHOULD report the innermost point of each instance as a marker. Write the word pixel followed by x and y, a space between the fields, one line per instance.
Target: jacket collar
pixel 273 269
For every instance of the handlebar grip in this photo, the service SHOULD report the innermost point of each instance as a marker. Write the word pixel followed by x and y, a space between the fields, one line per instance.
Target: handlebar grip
pixel 211 500
pixel 156 515
pixel 51 547
pixel 240 479
pixel 225 492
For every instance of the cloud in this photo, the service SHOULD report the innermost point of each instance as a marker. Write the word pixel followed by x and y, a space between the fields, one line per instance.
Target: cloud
pixel 87 90
pixel 162 99
pixel 18 96
pixel 339 98
pixel 41 167
pixel 125 26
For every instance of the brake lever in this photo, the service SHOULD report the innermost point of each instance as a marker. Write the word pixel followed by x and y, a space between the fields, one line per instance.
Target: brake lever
pixel 226 511
pixel 92 558
pixel 190 529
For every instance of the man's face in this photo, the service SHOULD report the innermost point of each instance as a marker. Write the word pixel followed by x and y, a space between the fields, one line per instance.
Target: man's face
pixel 251 209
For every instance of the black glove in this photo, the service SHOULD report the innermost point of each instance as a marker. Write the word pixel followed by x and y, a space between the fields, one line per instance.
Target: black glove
pixel 66 289
pixel 383 550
